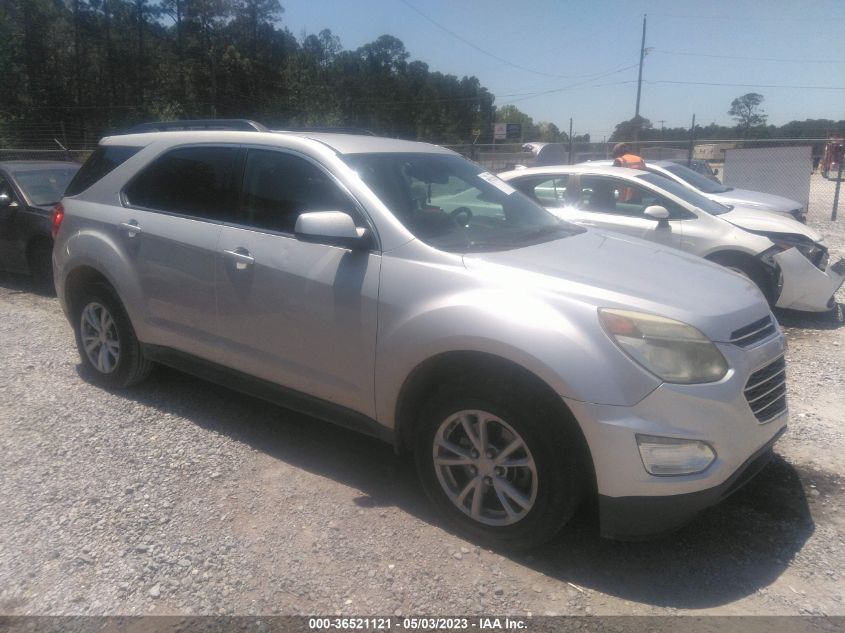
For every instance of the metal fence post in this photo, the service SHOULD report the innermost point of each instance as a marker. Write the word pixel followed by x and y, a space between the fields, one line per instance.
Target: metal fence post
pixel 836 192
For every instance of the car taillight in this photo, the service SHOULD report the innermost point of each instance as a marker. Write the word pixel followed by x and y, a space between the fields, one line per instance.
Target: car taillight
pixel 58 216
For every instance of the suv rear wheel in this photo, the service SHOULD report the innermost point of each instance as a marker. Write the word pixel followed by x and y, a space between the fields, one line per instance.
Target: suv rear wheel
pixel 500 465
pixel 106 340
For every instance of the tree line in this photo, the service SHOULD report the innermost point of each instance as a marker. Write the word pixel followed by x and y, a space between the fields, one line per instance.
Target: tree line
pixel 750 119
pixel 75 70
pixel 78 69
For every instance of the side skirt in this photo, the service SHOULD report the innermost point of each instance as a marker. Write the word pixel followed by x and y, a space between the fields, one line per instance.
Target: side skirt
pixel 271 392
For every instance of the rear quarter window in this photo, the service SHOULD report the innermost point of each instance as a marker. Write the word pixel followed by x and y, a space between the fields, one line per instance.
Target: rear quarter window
pixel 104 160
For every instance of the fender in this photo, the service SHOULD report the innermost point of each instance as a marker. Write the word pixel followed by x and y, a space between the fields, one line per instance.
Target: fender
pixel 97 250
pixel 523 329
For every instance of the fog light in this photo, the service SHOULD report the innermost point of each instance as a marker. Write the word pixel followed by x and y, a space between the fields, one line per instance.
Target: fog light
pixel 671 456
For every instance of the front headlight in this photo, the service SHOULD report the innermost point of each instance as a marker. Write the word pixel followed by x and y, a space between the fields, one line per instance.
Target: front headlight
pixel 671 350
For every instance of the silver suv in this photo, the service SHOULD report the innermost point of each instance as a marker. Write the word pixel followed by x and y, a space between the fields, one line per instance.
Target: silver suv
pixel 527 363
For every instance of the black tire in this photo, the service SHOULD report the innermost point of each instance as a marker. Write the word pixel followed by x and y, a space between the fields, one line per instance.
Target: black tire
pixel 130 367
pixel 551 436
pixel 40 260
pixel 752 269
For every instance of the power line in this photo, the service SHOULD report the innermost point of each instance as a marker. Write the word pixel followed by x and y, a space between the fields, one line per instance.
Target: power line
pixel 565 88
pixel 713 83
pixel 754 59
pixel 756 18
pixel 484 51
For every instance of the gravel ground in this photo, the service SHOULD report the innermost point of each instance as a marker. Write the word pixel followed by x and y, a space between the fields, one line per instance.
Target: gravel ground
pixel 181 497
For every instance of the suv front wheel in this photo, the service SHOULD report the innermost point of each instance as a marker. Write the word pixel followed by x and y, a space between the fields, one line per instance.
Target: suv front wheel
pixel 499 464
pixel 106 340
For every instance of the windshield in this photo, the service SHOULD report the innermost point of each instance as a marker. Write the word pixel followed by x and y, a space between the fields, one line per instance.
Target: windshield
pixel 45 186
pixel 454 205
pixel 702 183
pixel 686 194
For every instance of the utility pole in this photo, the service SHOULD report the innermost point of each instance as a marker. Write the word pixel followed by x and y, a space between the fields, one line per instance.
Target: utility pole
pixel 570 140
pixel 639 91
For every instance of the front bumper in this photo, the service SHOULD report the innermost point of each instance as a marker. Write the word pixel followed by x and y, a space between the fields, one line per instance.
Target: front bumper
pixel 805 287
pixel 636 504
pixel 637 518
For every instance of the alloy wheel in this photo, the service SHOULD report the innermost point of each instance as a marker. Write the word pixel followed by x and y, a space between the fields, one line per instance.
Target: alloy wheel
pixel 100 339
pixel 485 467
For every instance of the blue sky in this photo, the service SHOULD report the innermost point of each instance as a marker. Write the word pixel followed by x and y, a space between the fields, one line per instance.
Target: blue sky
pixel 590 50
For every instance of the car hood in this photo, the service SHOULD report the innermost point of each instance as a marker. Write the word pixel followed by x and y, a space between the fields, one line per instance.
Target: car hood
pixel 765 222
pixel 609 270
pixel 756 199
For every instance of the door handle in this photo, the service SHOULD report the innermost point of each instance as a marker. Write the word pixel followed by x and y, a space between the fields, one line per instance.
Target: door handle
pixel 241 257
pixel 131 227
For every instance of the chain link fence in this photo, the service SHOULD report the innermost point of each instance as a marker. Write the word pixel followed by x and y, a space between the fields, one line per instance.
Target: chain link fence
pixel 791 168
pixel 75 155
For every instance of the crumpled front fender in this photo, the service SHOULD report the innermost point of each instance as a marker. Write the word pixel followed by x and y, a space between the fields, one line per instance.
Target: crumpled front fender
pixel 805 287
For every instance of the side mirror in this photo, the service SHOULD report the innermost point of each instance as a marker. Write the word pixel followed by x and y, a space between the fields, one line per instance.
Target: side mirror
pixel 334 228
pixel 5 200
pixel 656 212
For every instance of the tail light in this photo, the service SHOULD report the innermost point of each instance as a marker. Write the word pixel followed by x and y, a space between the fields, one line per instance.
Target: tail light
pixel 58 216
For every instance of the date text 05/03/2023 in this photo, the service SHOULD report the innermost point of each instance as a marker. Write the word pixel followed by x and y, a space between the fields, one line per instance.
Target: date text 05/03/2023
pixel 413 623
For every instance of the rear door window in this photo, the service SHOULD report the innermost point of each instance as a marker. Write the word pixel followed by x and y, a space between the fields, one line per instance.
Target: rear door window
pixel 104 160
pixel 194 181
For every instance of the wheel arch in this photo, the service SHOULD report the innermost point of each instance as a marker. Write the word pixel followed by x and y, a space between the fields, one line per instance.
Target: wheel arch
pixel 80 278
pixel 427 375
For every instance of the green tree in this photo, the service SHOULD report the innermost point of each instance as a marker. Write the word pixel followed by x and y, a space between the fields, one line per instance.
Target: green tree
pixel 625 131
pixel 747 112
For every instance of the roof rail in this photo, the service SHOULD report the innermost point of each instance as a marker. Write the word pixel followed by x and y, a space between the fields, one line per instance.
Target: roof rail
pixel 197 124
pixel 330 130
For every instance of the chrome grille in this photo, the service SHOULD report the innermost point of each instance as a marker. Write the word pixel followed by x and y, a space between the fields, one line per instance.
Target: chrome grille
pixel 765 391
pixel 754 332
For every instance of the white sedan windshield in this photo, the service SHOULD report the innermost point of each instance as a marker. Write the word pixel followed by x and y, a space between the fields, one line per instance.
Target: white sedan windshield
pixel 686 194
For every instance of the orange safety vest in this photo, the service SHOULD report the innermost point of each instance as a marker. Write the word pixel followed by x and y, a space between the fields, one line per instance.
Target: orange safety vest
pixel 631 161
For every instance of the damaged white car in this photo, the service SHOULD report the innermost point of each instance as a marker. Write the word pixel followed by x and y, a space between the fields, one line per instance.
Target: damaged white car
pixel 787 260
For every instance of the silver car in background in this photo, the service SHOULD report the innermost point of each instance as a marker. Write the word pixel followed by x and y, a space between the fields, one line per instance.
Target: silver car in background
pixel 729 196
pixel 525 362
pixel 787 260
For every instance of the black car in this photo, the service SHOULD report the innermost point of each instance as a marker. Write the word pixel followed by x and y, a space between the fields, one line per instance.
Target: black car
pixel 28 192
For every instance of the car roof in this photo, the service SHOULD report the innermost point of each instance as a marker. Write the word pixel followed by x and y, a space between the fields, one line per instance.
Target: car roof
pixel 35 165
pixel 340 143
pixel 582 168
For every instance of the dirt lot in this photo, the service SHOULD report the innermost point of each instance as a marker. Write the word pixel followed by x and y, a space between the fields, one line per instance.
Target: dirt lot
pixel 181 497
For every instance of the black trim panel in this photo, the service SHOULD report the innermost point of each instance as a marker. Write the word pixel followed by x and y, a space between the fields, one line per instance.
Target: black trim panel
pixel 271 392
pixel 640 518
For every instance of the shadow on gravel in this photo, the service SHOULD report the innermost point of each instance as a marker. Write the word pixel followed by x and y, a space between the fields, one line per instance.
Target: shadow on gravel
pixel 728 552
pixel 24 283
pixel 832 320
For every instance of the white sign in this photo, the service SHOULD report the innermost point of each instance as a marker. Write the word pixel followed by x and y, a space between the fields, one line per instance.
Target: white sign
pixel 500 131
